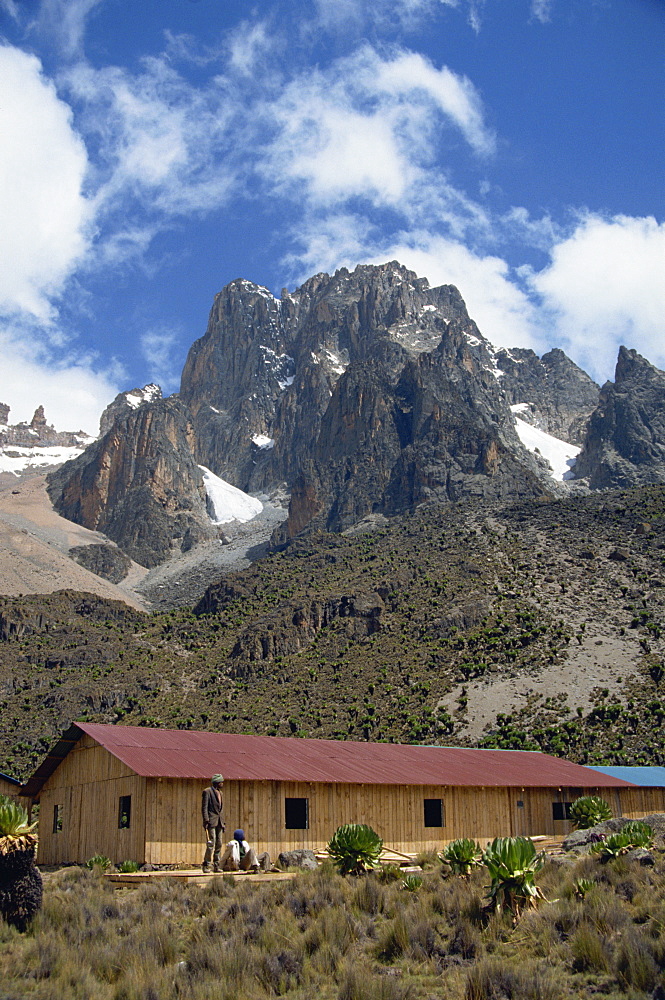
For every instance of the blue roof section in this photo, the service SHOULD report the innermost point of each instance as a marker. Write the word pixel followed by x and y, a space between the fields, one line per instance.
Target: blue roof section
pixel 647 777
pixel 7 777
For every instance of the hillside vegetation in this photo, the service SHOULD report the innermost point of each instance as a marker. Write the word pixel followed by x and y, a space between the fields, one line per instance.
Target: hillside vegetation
pixel 544 620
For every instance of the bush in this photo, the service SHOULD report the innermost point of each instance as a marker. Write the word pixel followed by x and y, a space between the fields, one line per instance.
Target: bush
pixel 98 862
pixel 588 811
pixel 355 848
pixel 462 855
pixel 513 863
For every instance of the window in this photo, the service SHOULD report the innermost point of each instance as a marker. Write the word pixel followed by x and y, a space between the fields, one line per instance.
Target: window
pixel 57 819
pixel 433 812
pixel 124 812
pixel 296 814
pixel 561 810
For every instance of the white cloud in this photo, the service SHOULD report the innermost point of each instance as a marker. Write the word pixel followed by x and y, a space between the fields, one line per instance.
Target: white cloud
pixel 605 286
pixel 71 391
pixel 163 143
pixel 369 127
pixel 541 10
pixel 64 22
pixel 42 167
pixel 158 348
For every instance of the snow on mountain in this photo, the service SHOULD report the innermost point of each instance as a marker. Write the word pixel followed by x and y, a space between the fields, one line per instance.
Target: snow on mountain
pixel 560 455
pixel 227 502
pixel 17 459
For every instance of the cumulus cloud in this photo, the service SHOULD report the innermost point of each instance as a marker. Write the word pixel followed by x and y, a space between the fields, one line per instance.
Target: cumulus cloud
pixel 604 287
pixel 369 127
pixel 42 168
pixel 71 391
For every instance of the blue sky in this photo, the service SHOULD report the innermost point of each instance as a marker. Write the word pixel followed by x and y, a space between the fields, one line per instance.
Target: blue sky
pixel 153 151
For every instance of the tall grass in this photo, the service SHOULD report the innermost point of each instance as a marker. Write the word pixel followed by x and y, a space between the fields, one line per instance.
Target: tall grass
pixel 323 937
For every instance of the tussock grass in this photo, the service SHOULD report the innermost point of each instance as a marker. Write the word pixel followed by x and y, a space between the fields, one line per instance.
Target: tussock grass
pixel 323 937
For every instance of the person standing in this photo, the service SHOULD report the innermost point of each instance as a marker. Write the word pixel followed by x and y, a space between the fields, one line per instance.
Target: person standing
pixel 212 813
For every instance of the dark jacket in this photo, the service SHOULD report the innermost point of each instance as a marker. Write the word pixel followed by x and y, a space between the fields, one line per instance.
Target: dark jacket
pixel 212 808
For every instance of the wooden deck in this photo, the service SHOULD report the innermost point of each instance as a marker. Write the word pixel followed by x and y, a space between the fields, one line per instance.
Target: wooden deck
pixel 192 876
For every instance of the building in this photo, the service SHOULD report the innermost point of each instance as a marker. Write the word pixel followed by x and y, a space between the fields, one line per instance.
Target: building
pixel 649 793
pixel 134 793
pixel 10 786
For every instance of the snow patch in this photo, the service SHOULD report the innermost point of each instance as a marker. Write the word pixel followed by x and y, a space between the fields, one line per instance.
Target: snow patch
pixel 560 455
pixel 428 309
pixel 227 502
pixel 16 459
pixel 263 442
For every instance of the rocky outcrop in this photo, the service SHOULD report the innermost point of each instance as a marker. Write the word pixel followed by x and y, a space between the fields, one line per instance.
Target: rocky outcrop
pixel 557 396
pixel 38 433
pixel 625 442
pixel 107 561
pixel 367 393
pixel 139 484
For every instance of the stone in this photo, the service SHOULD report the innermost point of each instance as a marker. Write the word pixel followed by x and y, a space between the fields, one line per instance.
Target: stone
pixel 297 859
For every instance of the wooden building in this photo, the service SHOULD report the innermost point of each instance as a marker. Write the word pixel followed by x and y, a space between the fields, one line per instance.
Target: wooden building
pixel 134 793
pixel 10 786
pixel 648 792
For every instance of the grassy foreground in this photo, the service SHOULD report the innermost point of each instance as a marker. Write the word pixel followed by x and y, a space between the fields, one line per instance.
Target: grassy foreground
pixel 326 937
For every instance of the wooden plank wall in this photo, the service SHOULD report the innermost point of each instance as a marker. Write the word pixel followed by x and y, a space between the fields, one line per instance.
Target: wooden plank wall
pixel 88 785
pixel 638 802
pixel 174 833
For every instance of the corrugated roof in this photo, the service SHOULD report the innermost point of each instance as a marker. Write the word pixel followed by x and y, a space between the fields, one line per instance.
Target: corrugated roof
pixel 647 777
pixel 169 753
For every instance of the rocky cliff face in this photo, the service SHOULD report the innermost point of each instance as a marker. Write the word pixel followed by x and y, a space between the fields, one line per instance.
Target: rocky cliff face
pixel 559 397
pixel 625 443
pixel 139 483
pixel 365 392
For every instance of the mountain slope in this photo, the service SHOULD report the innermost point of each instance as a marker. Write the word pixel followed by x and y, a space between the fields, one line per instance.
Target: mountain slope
pixel 412 629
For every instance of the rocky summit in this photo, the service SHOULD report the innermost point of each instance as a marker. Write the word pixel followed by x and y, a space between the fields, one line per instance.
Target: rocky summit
pixel 364 393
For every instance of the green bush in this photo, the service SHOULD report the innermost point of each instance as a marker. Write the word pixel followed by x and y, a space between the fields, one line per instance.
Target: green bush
pixel 462 855
pixel 98 862
pixel 588 811
pixel 128 867
pixel 513 864
pixel 355 848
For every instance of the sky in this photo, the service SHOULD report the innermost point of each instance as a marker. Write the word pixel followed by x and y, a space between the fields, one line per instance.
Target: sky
pixel 153 151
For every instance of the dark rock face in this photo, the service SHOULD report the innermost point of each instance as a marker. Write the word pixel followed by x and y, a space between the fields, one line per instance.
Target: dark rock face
pixel 139 484
pixel 559 395
pixel 367 393
pixel 625 442
pixel 104 560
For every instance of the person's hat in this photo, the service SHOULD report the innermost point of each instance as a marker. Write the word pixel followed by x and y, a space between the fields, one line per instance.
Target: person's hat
pixel 216 778
pixel 239 835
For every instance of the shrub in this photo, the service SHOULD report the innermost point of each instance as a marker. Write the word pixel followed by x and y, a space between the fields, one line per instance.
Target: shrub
pixel 355 848
pixel 98 862
pixel 513 863
pixel 588 811
pixel 462 855
pixel 128 867
pixel 20 881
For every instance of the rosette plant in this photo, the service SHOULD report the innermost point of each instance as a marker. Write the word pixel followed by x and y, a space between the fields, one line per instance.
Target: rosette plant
pixel 355 848
pixel 513 864
pixel 462 855
pixel 20 881
pixel 588 811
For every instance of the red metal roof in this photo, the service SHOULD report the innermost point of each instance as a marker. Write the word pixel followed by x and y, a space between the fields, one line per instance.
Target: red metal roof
pixel 168 753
